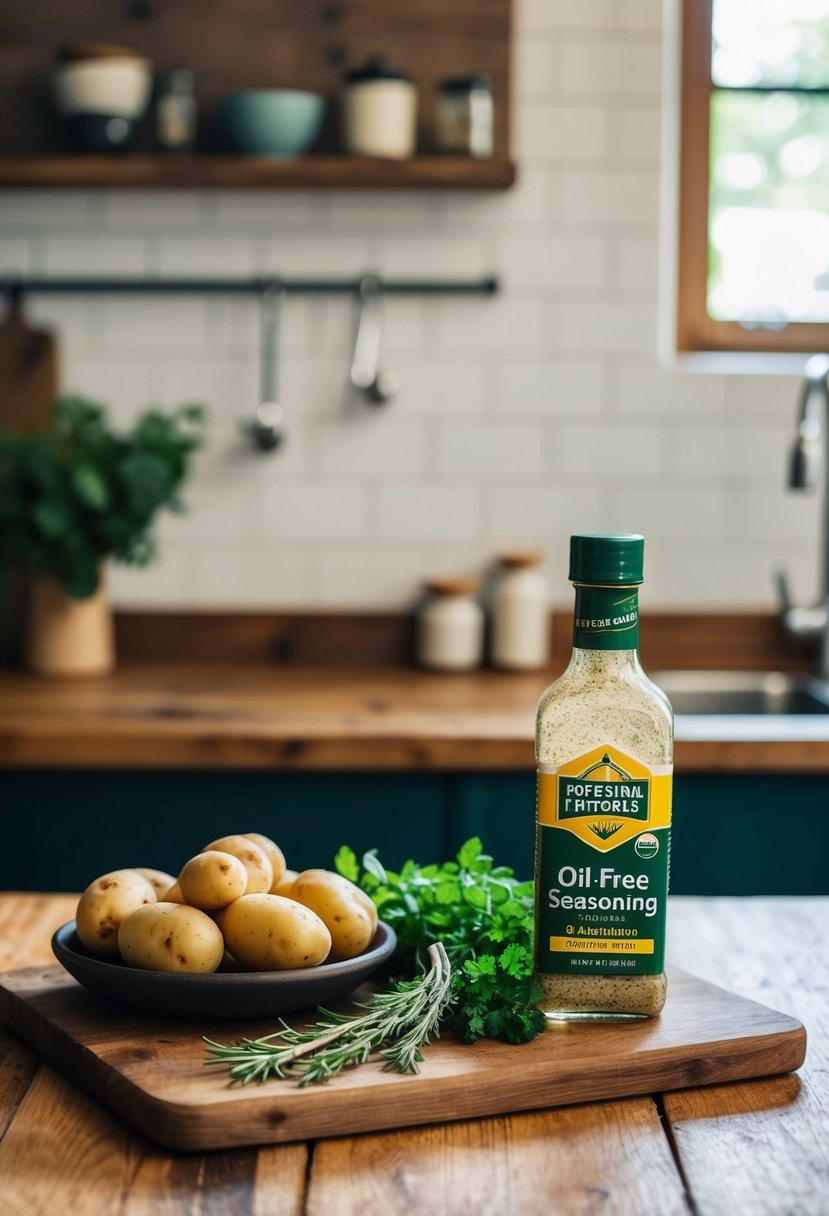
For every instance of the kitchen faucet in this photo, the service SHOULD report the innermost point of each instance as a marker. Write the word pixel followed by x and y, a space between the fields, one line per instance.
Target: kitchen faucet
pixel 804 474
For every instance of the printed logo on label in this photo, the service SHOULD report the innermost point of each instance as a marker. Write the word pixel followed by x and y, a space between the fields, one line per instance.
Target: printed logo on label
pixel 604 797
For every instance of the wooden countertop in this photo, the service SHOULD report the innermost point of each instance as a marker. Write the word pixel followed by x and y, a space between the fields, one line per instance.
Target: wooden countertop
pixel 331 717
pixel 749 1147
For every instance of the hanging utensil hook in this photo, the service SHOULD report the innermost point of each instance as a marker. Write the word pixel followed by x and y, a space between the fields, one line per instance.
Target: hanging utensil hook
pixel 378 385
pixel 267 428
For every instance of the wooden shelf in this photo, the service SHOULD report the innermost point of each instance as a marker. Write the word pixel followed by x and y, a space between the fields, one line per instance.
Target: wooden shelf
pixel 237 172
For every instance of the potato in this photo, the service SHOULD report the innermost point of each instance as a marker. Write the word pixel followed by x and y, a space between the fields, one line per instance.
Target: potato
pixel 271 933
pixel 106 903
pixel 253 858
pixel 285 884
pixel 173 896
pixel 160 880
pixel 212 880
pixel 348 913
pixel 171 937
pixel 273 853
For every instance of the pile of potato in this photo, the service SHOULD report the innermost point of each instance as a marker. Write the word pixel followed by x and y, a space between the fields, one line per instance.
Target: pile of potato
pixel 233 907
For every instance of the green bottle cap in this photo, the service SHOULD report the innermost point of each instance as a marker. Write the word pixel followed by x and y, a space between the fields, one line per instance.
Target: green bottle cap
pixel 607 558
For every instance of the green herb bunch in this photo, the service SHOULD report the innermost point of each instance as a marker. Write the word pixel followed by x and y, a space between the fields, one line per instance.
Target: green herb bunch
pixel 78 493
pixel 482 915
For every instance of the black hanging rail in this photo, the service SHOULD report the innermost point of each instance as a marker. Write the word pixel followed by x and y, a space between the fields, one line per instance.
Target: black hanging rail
pixel 17 286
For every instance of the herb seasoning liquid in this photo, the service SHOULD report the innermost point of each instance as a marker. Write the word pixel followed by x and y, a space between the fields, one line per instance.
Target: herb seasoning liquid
pixel 604 747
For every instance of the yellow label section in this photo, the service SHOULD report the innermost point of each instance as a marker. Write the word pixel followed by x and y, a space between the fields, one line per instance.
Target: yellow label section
pixel 601 945
pixel 614 798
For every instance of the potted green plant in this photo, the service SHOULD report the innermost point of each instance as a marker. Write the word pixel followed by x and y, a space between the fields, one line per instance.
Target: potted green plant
pixel 70 499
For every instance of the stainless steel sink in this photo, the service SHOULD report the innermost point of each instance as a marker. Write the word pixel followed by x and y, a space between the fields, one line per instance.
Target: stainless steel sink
pixel 743 692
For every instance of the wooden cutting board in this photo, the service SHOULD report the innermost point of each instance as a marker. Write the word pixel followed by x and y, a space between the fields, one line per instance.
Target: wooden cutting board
pixel 151 1072
pixel 29 376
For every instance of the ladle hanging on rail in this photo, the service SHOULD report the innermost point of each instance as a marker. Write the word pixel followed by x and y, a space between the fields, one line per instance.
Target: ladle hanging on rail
pixel 267 427
pixel 378 385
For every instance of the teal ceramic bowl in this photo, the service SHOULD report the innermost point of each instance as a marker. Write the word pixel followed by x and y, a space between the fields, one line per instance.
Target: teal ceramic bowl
pixel 278 123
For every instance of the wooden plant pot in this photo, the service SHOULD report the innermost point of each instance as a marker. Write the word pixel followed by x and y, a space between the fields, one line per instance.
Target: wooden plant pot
pixel 66 637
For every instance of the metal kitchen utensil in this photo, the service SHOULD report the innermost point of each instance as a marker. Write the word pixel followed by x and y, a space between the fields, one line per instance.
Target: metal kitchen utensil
pixel 267 427
pixel 378 385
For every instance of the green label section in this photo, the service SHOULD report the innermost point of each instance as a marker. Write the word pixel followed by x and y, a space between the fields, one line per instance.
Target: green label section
pixel 606 618
pixel 601 913
pixel 578 796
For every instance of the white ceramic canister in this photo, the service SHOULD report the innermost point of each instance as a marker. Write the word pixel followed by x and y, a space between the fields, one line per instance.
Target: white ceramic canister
pixel 450 626
pixel 379 112
pixel 520 634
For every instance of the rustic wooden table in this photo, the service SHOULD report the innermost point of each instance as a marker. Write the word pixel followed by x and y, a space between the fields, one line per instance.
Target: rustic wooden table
pixel 750 1149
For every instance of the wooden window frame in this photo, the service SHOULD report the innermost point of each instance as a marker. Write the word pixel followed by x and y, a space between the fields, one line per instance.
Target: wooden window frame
pixel 696 331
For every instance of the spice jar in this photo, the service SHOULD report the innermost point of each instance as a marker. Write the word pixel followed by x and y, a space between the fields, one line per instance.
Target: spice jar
pixel 379 112
pixel 520 637
pixel 450 626
pixel 175 112
pixel 464 116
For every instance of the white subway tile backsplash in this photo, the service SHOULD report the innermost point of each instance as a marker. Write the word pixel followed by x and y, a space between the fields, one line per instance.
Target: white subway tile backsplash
pixel 427 512
pixel 554 262
pixel 207 257
pixel 442 386
pixel 152 323
pixel 533 65
pixel 612 452
pixel 680 513
pixel 549 132
pixel 484 448
pixel 14 256
pixel 608 328
pixel 727 451
pixel 538 514
pixel 519 418
pixel 264 212
pixel 101 257
pixel 367 578
pixel 612 198
pixel 369 210
pixel 549 389
pixel 167 582
pixel 322 256
pixel 45 210
pixel 369 444
pixel 639 129
pixel 314 512
pixel 122 384
pixel 154 209
pixel 247 577
pixel 497 326
pixel 612 67
pixel 563 15
pixel 433 256
pixel 647 390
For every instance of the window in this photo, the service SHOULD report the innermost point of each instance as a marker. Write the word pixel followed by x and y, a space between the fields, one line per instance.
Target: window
pixel 753 270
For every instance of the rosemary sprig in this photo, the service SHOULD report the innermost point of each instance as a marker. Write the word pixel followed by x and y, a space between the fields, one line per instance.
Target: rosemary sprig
pixel 396 1024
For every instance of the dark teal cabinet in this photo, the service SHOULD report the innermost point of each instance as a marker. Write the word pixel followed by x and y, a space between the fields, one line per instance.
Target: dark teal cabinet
pixel 733 835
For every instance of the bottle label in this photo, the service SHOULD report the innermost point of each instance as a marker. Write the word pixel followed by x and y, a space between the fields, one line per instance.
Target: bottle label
pixel 606 618
pixel 603 850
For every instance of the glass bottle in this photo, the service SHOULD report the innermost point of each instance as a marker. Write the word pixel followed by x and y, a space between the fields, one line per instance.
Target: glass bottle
pixel 176 112
pixel 604 747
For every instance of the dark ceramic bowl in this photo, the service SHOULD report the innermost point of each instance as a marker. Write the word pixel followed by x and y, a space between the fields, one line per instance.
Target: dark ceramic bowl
pixel 100 133
pixel 223 996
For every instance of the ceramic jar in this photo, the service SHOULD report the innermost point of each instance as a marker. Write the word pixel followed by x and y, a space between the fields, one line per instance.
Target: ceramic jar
pixel 520 634
pixel 379 112
pixel 450 626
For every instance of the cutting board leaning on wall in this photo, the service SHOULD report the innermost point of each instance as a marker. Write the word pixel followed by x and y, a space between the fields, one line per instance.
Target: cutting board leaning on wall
pixel 29 382
pixel 29 373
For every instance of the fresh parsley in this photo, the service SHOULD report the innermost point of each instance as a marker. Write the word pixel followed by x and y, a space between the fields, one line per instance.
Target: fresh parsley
pixel 482 915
